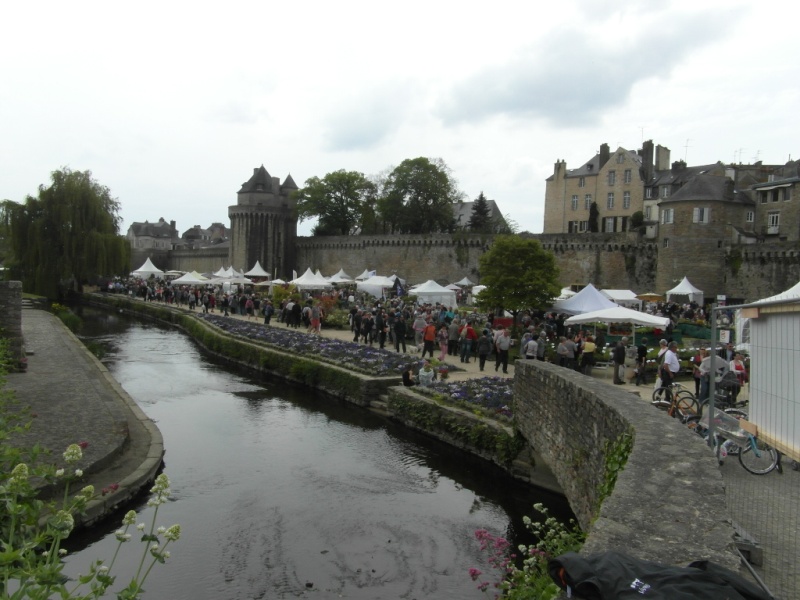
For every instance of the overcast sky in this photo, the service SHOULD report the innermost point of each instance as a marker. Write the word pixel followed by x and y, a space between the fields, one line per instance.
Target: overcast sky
pixel 172 104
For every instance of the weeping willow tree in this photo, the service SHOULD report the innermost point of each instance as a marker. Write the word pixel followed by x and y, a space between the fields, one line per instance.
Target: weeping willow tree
pixel 66 237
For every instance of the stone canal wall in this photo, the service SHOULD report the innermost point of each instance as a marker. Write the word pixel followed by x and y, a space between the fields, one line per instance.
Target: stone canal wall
pixel 668 502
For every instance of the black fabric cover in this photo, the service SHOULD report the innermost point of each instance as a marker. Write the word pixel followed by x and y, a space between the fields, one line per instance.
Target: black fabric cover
pixel 613 575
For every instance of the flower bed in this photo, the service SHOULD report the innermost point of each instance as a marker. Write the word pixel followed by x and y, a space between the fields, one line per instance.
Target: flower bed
pixel 494 395
pixel 349 355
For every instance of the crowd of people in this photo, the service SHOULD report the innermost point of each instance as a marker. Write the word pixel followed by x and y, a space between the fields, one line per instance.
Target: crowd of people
pixel 434 329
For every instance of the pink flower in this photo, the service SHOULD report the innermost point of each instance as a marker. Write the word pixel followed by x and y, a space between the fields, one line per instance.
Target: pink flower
pixel 474 573
pixel 113 487
pixel 83 445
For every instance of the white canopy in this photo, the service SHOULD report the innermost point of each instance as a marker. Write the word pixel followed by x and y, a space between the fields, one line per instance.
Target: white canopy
pixel 257 271
pixel 620 314
pixel 685 288
pixel 375 285
pixel 623 297
pixel 193 278
pixel 147 269
pixel 465 282
pixel 365 275
pixel 453 286
pixel 340 277
pixel 310 281
pixel 587 300
pixel 431 292
pixel 220 273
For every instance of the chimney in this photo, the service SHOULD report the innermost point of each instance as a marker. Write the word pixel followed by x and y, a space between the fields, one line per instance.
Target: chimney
pixel 678 166
pixel 560 169
pixel 647 160
pixel 172 226
pixel 605 154
pixel 662 158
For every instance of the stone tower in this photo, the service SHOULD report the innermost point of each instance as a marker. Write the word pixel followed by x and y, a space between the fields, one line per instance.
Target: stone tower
pixel 264 225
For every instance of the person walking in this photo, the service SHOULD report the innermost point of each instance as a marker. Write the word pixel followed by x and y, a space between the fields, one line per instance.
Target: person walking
pixel 428 338
pixel 502 346
pixel 443 337
pixel 467 336
pixel 619 360
pixel 641 362
pixel 484 348
pixel 400 332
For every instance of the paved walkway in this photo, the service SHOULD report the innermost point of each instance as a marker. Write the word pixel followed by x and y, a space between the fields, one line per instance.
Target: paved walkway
pixel 74 399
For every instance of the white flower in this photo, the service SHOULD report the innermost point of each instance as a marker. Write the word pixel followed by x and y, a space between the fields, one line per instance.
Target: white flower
pixel 59 472
pixel 161 530
pixel 141 526
pixel 73 453
pixel 129 518
pixel 173 533
pixel 78 472
pixel 62 552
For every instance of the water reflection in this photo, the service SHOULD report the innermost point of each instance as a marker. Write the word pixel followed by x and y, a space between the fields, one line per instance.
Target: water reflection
pixel 278 489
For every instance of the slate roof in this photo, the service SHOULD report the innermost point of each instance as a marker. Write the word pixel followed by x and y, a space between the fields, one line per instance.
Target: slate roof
pixel 462 212
pixel 261 181
pixel 161 229
pixel 702 188
pixel 289 183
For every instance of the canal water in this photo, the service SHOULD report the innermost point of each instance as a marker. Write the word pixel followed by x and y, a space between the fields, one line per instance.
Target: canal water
pixel 285 493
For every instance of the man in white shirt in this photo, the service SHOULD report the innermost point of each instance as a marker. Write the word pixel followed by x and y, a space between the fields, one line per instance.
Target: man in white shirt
pixel 671 365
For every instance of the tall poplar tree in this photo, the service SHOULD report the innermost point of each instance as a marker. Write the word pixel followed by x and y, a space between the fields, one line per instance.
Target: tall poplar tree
pixel 65 237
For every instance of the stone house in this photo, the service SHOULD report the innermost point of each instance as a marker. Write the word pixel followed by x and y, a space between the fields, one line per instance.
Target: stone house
pixel 153 236
pixel 777 212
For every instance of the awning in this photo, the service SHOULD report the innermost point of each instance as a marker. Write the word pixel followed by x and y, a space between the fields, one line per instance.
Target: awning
pixel 772 187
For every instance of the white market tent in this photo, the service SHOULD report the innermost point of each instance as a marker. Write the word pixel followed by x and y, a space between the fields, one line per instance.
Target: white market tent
pixel 193 278
pixel 623 298
pixel 465 282
pixel 431 292
pixel 685 288
pixel 475 291
pixel 793 293
pixel 340 277
pixel 257 271
pixel 310 281
pixel 148 269
pixel 587 300
pixel 365 275
pixel 619 314
pixel 453 286
pixel 375 285
pixel 220 273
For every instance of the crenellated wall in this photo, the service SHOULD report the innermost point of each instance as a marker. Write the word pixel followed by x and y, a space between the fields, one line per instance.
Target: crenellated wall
pixel 615 261
pixel 608 260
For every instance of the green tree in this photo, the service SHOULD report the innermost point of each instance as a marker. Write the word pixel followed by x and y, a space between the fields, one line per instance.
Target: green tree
pixel 518 274
pixel 338 200
pixel 418 197
pixel 67 236
pixel 480 221
pixel 594 218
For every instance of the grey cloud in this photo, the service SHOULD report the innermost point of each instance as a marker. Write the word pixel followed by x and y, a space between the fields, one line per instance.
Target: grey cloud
pixel 366 121
pixel 566 80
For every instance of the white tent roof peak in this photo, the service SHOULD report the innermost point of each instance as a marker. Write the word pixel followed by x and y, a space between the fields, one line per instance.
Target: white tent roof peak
pixel 465 282
pixel 311 281
pixel 257 271
pixel 587 300
pixel 148 268
pixel 685 288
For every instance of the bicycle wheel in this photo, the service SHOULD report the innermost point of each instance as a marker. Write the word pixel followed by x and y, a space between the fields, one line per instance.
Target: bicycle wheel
pixel 662 398
pixel 759 458
pixel 686 405
pixel 736 412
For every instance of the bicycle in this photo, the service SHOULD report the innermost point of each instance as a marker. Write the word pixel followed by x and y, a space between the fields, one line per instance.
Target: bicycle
pixel 676 400
pixel 755 456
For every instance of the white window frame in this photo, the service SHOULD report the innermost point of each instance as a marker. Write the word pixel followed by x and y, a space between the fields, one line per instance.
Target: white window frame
pixel 612 178
pixel 610 201
pixel 610 221
pixel 667 216
pixel 648 192
pixel 626 200
pixel 648 212
pixel 581 182
pixel 574 201
pixel 665 243
pixel 587 201
pixel 773 221
pixel 628 176
pixel 701 214
pixel 750 217
pixel 664 191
